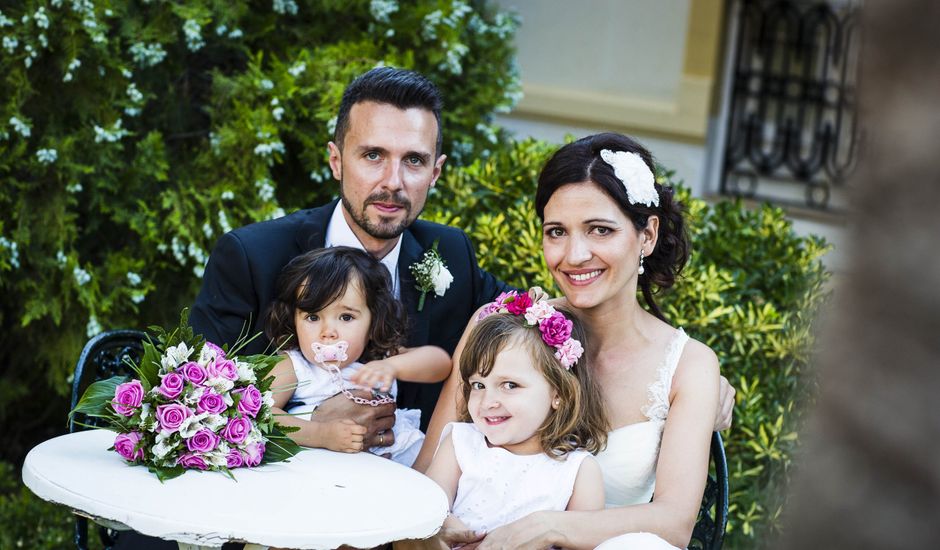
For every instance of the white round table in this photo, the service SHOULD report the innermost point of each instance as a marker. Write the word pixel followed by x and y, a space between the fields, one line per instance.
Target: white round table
pixel 320 499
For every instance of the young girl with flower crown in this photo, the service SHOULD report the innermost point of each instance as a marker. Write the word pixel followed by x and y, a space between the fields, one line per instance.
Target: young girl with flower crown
pixel 334 307
pixel 535 416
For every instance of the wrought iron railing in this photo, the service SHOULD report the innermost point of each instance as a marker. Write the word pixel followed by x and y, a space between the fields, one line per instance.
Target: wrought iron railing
pixel 792 133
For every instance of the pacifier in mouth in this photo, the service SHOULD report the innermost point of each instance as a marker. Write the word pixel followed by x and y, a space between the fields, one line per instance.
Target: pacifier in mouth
pixel 328 353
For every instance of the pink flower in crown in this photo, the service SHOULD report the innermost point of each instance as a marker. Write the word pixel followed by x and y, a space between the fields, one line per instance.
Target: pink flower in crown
pixel 488 310
pixel 194 372
pixel 520 304
pixel 234 459
pixel 127 397
pixel 193 461
pixel 171 386
pixel 569 353
pixel 126 446
pixel 555 329
pixel 251 401
pixel 538 312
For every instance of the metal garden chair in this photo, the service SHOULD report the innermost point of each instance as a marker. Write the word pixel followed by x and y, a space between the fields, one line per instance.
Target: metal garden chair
pixel 709 530
pixel 103 357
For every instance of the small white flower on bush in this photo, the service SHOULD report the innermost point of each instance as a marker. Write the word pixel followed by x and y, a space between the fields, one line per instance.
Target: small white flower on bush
pixel 47 156
pixel 382 10
pixel 285 7
pixel 81 276
pixel 21 127
pixel 297 69
pixel 193 32
pixel 133 278
pixel 93 328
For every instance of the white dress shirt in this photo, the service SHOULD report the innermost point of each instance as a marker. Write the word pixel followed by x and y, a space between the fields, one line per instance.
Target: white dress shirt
pixel 338 233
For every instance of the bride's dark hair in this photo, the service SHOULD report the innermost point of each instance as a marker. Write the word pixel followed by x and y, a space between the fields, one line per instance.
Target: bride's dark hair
pixel 580 162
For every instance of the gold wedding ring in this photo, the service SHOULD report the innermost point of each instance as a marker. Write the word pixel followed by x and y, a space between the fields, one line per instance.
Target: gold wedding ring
pixel 382 439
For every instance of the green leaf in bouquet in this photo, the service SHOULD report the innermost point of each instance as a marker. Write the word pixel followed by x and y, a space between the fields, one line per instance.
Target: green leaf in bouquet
pixel 96 401
pixel 149 368
pixel 279 447
pixel 164 473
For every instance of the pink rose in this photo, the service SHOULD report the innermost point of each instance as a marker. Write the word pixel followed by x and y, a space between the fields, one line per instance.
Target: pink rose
pixel 226 369
pixel 190 460
pixel 237 429
pixel 203 441
pixel 250 402
pixel 171 386
pixel 127 397
pixel 555 329
pixel 127 446
pixel 171 416
pixel 254 453
pixel 211 403
pixel 234 459
pixel 219 354
pixel 194 373
pixel 569 353
pixel 520 304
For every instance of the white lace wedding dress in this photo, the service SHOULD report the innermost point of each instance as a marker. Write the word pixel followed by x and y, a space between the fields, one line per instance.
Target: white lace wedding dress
pixel 629 461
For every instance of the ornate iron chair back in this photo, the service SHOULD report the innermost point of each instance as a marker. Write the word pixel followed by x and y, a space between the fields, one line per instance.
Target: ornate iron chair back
pixel 103 357
pixel 709 530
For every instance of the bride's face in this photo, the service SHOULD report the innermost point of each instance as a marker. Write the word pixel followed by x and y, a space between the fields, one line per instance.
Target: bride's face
pixel 591 247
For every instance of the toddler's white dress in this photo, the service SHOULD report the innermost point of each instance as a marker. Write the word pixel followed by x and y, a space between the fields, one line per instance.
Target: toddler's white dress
pixel 315 385
pixel 497 487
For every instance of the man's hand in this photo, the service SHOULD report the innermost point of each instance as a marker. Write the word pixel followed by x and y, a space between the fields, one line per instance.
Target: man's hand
pixel 725 405
pixel 378 421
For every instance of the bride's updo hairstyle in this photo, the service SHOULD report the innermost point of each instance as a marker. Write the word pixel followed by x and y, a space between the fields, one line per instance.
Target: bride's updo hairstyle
pixel 581 161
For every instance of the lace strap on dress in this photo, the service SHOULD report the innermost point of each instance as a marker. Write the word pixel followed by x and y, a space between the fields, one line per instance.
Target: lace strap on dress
pixel 658 406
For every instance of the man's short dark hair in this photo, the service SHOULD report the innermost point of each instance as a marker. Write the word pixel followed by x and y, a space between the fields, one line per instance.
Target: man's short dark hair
pixel 400 88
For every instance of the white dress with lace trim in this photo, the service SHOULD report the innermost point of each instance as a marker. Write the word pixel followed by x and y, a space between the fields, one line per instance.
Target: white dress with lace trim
pixel 628 463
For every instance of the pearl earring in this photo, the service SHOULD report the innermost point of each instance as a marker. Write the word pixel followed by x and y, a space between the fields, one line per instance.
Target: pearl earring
pixel 641 269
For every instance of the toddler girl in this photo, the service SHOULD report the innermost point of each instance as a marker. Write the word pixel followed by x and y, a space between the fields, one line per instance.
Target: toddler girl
pixel 535 415
pixel 334 307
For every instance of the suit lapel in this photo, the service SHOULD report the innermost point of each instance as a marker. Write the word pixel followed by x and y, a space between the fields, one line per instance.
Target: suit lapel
pixel 411 252
pixel 312 232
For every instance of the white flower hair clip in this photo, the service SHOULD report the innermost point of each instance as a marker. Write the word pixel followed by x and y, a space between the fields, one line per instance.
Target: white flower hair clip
pixel 635 175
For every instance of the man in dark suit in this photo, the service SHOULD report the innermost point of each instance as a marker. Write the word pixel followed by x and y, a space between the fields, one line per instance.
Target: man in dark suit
pixel 386 155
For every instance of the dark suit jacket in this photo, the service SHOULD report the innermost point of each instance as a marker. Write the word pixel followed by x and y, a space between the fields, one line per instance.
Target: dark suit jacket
pixel 240 278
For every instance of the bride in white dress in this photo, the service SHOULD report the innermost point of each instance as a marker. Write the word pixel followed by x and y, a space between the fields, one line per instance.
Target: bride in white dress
pixel 610 232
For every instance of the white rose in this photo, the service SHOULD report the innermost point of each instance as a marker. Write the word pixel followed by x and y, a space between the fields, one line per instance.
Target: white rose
pixel 441 278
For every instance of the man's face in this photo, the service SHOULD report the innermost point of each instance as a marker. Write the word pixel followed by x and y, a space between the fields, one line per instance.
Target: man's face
pixel 386 167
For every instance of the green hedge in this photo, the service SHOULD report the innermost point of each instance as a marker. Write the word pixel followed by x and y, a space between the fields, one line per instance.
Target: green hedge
pixel 133 134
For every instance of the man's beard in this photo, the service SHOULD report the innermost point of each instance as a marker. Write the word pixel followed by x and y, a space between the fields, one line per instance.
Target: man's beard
pixel 380 230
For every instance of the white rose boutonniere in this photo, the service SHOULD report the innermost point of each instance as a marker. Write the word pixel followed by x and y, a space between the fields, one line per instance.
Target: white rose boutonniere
pixel 431 273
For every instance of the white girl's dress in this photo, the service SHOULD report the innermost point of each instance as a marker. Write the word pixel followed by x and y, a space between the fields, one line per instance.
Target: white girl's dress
pixel 315 385
pixel 628 464
pixel 497 487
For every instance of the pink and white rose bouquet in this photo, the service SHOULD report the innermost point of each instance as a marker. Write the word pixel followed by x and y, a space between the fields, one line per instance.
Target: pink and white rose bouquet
pixel 192 406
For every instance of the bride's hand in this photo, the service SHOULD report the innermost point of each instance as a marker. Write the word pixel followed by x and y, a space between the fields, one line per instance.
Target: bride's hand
pixel 531 532
pixel 455 534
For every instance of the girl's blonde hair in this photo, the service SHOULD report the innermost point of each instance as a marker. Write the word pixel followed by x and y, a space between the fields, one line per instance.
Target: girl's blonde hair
pixel 580 421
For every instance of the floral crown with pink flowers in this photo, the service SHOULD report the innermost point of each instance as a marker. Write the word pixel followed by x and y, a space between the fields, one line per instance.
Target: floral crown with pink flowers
pixel 554 327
